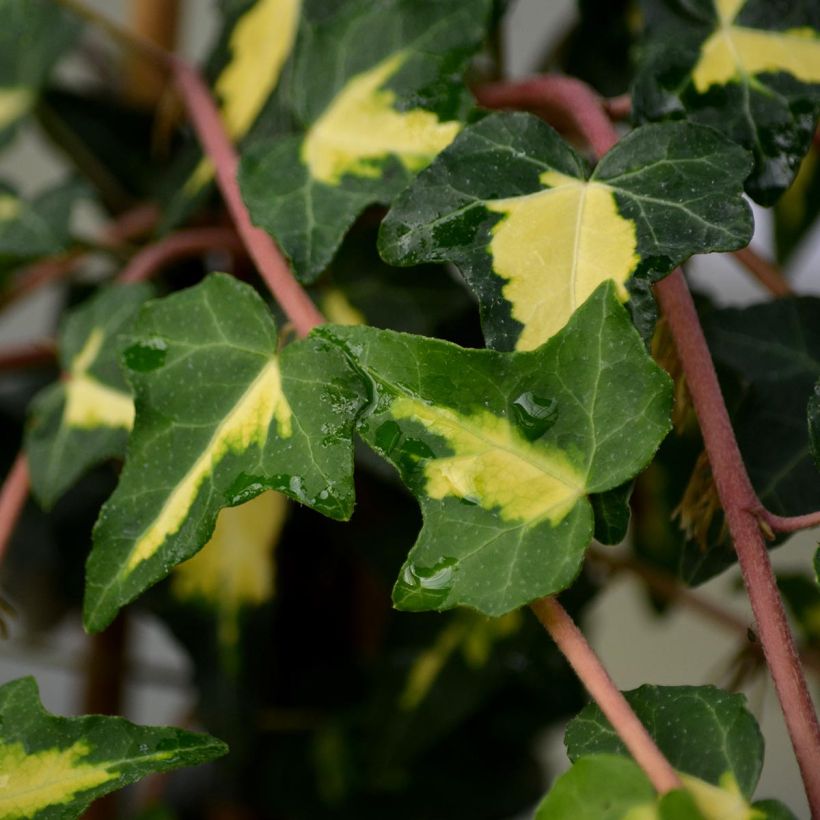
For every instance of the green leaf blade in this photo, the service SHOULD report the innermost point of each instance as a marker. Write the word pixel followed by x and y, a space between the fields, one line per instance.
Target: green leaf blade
pixel 502 449
pixel 220 418
pixel 515 209
pixel 54 767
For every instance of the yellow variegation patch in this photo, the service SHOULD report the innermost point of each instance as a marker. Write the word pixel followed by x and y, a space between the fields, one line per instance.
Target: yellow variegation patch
pixel 338 310
pixel 235 568
pixel 733 52
pixel 723 802
pixel 14 102
pixel 89 403
pixel 361 128
pixel 248 423
pixel 495 466
pixel 472 634
pixel 10 207
pixel 554 247
pixel 32 782
pixel 260 45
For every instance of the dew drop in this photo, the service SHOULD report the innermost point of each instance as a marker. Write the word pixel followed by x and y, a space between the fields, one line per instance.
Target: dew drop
pixel 534 415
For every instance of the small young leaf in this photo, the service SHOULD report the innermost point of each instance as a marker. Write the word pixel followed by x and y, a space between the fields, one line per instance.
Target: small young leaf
pixel 34 34
pixel 52 768
pixel 612 513
pixel 235 569
pixel 502 449
pixel 750 68
pixel 534 232
pixel 702 731
pixel 220 417
pixel 377 93
pixel 85 418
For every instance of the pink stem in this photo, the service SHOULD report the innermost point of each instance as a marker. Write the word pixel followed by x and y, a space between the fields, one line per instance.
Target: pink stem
pixel 217 145
pixel 613 704
pixel 181 245
pixel 768 274
pixel 740 505
pixel 619 108
pixel 13 496
pixel 33 354
pixel 790 523
pixel 555 93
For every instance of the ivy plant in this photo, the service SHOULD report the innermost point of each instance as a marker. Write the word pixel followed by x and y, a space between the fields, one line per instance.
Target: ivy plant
pixel 396 340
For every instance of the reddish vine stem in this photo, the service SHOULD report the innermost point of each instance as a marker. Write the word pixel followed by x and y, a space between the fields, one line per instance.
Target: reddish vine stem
pixel 555 95
pixel 767 273
pixel 13 496
pixel 740 505
pixel 270 262
pixel 790 523
pixel 572 643
pixel 33 354
pixel 181 245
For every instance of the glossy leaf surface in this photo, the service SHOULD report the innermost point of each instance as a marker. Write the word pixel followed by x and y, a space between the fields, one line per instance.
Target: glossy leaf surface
pixel 750 68
pixel 702 731
pixel 502 449
pixel 376 93
pixel 84 418
pixel 220 417
pixel 535 232
pixel 54 767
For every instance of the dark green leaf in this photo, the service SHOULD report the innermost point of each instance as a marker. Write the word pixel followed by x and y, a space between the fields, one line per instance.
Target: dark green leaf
pixel 85 418
pixel 54 767
pixel 34 34
pixel 750 68
pixel 220 417
pixel 376 93
pixel 701 730
pixel 611 510
pixel 502 449
pixel 534 232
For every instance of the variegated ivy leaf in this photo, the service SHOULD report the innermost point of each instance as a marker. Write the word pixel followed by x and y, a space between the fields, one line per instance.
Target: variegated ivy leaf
pixel 34 34
pixel 377 93
pixel 52 768
pixel 503 449
pixel 235 569
pixel 608 787
pixel 703 732
pixel 750 68
pixel 534 232
pixel 40 226
pixel 221 416
pixel 260 43
pixel 84 418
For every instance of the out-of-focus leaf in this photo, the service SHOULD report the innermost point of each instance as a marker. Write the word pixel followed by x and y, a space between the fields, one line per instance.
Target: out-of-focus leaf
pixel 802 596
pixel 235 569
pixel 502 449
pixel 220 417
pixel 750 68
pixel 84 418
pixel 796 211
pixel 34 34
pixel 377 94
pixel 534 232
pixel 53 767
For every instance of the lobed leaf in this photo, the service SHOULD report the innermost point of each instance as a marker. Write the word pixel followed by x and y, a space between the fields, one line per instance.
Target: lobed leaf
pixel 503 449
pixel 54 767
pixel 84 418
pixel 221 416
pixel 750 68
pixel 376 93
pixel 535 233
